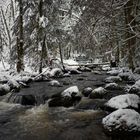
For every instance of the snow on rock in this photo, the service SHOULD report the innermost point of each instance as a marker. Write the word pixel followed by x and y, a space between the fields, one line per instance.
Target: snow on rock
pixel 122 121
pixel 124 101
pixel 137 70
pixel 56 72
pixel 135 88
pixel 66 74
pixel 112 86
pixel 70 64
pixel 97 72
pixel 98 93
pixel 4 89
pixel 67 98
pixel 138 83
pixel 113 72
pixel 105 67
pixel 127 76
pixel 84 69
pixel 86 92
pixel 4 76
pixel 13 84
pixel 74 71
pixel 71 92
pixel 54 83
pixel 112 79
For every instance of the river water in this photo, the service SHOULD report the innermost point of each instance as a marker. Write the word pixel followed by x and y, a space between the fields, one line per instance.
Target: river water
pixel 41 122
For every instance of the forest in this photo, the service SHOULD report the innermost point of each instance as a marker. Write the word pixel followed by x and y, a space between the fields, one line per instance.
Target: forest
pixel 70 69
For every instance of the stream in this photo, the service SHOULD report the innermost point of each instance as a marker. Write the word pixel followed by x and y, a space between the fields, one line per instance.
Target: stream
pixel 41 122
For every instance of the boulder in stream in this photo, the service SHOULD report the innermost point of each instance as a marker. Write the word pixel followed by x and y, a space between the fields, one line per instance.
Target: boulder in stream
pixel 123 101
pixel 112 79
pixel 122 121
pixel 87 91
pixel 4 89
pixel 98 93
pixel 67 98
pixel 112 86
pixel 14 85
pixel 54 83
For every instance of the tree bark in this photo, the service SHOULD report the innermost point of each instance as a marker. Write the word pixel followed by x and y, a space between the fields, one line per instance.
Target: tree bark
pixel 20 50
pixel 130 25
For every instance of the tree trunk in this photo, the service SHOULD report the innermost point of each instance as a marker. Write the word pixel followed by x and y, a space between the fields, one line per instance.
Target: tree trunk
pixel 130 37
pixel 61 56
pixel 20 51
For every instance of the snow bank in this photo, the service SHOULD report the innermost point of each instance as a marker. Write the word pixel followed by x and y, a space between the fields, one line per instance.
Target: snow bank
pixel 122 120
pixel 124 101
pixel 68 64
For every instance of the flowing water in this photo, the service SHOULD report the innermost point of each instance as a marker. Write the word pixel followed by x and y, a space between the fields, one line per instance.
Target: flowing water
pixel 41 122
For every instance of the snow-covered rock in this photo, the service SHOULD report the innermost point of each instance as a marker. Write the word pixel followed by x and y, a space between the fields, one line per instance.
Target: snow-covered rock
pixel 137 70
pixel 127 76
pixel 86 92
pixel 97 72
pixel 112 79
pixel 113 72
pixel 67 98
pixel 84 69
pixel 112 86
pixel 5 88
pixel 70 64
pixel 124 101
pixel 105 67
pixel 74 71
pixel 98 93
pixel 71 92
pixel 13 84
pixel 56 72
pixel 54 83
pixel 138 83
pixel 122 121
pixel 135 88
pixel 66 74
pixel 95 104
